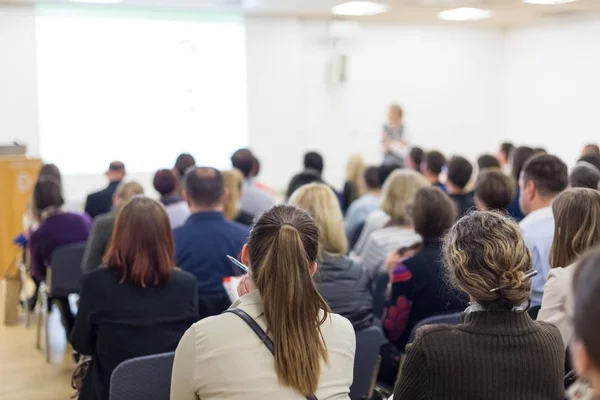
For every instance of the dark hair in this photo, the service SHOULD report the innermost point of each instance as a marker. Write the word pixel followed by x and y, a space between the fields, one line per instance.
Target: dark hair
pixel 416 155
pixel 591 158
pixel 244 160
pixel 50 170
pixel 586 316
pixel 495 189
pixel 313 160
pixel 183 162
pixel 584 175
pixel 520 155
pixel 433 212
pixel 204 186
pixel 371 177
pixel 142 248
pixel 116 166
pixel 539 150
pixel 506 148
pixel 256 166
pixel 165 181
pixel 283 246
pixel 47 193
pixel 384 171
pixel 460 171
pixel 487 161
pixel 435 161
pixel 548 173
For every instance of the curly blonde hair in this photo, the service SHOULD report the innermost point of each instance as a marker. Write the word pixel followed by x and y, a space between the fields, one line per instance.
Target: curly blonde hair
pixel 485 250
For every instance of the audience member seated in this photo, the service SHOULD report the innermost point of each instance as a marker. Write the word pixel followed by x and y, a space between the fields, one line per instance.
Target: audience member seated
pixel 577 229
pixel 486 161
pixel 100 202
pixel 234 181
pixel 398 232
pixel 539 150
pixel 460 171
pixel 255 200
pixel 415 159
pixel 418 282
pixel 586 321
pixel 183 162
pixel 584 175
pixel 342 282
pixel 203 243
pixel 104 224
pixel 353 186
pixel 139 303
pixel 359 210
pixel 591 158
pixel 590 149
pixel 57 229
pixel 432 168
pixel 256 172
pixel 313 171
pixel 498 352
pixel 542 179
pixel 519 157
pixel 494 190
pixel 167 184
pixel 313 349
pixel 504 156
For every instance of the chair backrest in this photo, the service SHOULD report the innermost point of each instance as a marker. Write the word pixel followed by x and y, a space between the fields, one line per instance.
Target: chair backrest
pixel 448 319
pixel 65 262
pixel 381 281
pixel 368 343
pixel 142 378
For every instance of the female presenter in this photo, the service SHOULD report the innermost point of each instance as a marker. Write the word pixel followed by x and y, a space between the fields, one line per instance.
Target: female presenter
pixel 394 137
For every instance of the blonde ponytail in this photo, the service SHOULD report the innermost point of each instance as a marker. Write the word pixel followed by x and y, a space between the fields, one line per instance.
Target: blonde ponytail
pixel 283 247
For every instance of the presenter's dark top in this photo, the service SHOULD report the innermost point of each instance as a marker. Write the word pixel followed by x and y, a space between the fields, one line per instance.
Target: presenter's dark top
pixel 101 202
pixel 119 321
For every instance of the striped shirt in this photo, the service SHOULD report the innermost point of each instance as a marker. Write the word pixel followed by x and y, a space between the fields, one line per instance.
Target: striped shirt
pixel 382 243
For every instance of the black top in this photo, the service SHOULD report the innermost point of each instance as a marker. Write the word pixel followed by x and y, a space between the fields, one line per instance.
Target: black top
pixel 465 202
pixel 349 194
pixel 245 218
pixel 101 202
pixel 344 284
pixel 98 241
pixel 118 321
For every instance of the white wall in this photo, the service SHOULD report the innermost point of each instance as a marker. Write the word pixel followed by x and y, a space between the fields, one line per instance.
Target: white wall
pixel 553 84
pixel 448 79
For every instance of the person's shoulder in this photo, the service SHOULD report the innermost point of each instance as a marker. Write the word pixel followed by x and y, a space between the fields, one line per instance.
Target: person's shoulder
pixel 339 326
pixel 181 277
pixel 99 277
pixel 437 333
pixel 238 228
pixel 551 335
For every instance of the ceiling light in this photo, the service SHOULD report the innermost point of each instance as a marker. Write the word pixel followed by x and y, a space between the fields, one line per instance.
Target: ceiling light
pixel 97 1
pixel 465 14
pixel 360 8
pixel 551 2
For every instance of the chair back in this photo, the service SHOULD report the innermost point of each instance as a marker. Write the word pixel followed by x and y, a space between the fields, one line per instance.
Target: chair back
pixel 142 378
pixel 381 281
pixel 65 275
pixel 447 319
pixel 368 343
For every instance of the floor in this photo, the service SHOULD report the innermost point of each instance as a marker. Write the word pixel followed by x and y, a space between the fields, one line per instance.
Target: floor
pixel 24 372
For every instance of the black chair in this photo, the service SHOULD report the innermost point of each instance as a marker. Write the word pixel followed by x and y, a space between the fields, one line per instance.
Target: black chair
pixel 366 362
pixel 448 319
pixel 534 311
pixel 381 282
pixel 143 378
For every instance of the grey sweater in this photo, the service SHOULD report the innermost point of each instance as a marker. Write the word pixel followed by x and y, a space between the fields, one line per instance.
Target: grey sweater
pixel 501 355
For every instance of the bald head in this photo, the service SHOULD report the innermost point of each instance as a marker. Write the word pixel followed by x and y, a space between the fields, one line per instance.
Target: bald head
pixel 204 187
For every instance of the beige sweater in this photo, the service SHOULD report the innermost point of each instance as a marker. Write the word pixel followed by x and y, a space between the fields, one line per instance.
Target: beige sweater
pixel 222 358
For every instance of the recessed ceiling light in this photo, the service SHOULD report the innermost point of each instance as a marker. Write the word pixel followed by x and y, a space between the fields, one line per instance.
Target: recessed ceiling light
pixel 551 2
pixel 465 14
pixel 360 8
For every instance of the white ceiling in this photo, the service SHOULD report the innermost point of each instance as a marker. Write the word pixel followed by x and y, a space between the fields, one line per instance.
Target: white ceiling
pixel 507 13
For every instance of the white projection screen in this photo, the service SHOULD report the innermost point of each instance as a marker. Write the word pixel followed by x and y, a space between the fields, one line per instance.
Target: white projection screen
pixel 140 87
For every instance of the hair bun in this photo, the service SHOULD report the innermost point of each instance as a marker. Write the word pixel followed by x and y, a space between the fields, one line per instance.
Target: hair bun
pixel 512 279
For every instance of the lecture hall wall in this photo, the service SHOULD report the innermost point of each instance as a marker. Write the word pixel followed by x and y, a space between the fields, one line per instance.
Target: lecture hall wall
pixel 464 90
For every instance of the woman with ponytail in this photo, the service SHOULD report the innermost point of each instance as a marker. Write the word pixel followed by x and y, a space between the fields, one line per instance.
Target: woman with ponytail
pixel 307 351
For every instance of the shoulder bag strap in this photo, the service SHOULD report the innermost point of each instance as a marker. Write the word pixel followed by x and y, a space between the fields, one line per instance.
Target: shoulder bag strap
pixel 259 332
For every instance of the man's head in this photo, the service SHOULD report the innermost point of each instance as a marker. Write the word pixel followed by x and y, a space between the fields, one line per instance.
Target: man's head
pixel 542 178
pixel 432 165
pixel 313 160
pixel 244 160
pixel 415 158
pixel 204 189
pixel 165 182
pixel 371 178
pixel 494 190
pixel 592 159
pixel 460 171
pixel 116 171
pixel 590 149
pixel 584 175
pixel 183 162
pixel 127 191
pixel 504 151
pixel 487 161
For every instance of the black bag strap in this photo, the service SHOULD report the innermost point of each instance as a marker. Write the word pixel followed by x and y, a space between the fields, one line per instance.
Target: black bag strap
pixel 259 332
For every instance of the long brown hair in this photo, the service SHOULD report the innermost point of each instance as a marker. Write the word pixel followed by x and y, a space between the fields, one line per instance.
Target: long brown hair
pixel 283 246
pixel 576 225
pixel 234 179
pixel 141 248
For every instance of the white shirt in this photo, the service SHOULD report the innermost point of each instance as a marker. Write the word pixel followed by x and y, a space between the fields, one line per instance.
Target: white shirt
pixel 376 220
pixel 382 243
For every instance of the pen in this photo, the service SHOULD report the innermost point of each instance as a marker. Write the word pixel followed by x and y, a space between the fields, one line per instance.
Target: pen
pixel 238 264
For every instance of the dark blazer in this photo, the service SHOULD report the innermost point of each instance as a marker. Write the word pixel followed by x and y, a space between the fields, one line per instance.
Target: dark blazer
pixel 464 203
pixel 344 284
pixel 101 202
pixel 118 321
pixel 98 241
